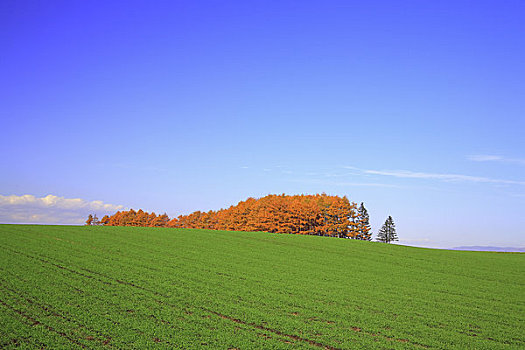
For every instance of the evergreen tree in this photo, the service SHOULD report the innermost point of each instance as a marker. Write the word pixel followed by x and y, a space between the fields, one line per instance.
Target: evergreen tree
pixel 363 224
pixel 387 233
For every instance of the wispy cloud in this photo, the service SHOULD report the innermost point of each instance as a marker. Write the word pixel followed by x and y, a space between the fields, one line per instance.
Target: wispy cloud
pixel 422 242
pixel 493 158
pixel 365 184
pixel 437 176
pixel 50 209
pixel 345 183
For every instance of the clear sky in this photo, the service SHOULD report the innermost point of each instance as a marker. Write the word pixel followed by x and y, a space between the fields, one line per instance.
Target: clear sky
pixel 414 107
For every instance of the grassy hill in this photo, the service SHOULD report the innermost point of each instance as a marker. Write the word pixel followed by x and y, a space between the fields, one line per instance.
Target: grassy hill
pixel 126 287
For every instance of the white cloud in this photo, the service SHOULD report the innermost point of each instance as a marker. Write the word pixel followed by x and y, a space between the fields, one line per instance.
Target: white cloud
pixel 50 209
pixel 56 202
pixel 492 158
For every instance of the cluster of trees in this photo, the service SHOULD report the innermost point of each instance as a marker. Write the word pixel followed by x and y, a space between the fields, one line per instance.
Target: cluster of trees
pixel 135 218
pixel 93 220
pixel 318 214
pixel 300 214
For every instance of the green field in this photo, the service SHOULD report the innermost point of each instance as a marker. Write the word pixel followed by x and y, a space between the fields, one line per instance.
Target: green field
pixel 127 287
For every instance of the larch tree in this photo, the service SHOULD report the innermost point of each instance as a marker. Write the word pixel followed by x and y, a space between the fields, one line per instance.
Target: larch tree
pixel 387 233
pixel 160 221
pixel 105 220
pixel 141 219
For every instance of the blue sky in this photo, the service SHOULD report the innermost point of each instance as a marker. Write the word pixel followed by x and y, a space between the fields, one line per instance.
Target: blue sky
pixel 415 108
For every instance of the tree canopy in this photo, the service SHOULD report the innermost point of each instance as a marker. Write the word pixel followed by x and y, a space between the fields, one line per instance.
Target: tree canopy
pixel 318 214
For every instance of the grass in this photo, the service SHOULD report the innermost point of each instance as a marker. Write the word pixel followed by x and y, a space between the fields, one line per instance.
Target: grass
pixel 126 287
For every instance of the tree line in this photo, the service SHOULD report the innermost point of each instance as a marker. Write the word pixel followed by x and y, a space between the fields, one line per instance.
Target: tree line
pixel 319 214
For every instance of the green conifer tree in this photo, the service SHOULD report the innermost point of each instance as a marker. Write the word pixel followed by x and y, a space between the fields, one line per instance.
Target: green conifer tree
pixel 363 224
pixel 387 233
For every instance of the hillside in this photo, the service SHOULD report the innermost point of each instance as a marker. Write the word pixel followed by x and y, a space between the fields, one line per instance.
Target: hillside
pixel 135 287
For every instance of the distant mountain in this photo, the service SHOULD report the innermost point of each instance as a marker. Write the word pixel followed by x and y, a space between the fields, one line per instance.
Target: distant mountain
pixel 491 249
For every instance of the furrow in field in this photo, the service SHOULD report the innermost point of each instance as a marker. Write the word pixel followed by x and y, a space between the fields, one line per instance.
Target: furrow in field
pixel 291 336
pixel 103 339
pixel 146 319
pixel 15 333
pixel 46 261
pixel 294 337
pixel 35 322
pixel 49 310
pixel 17 342
pixel 313 342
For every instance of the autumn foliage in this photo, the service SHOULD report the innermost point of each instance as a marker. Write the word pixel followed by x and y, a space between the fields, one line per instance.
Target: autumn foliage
pixel 318 214
pixel 136 218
